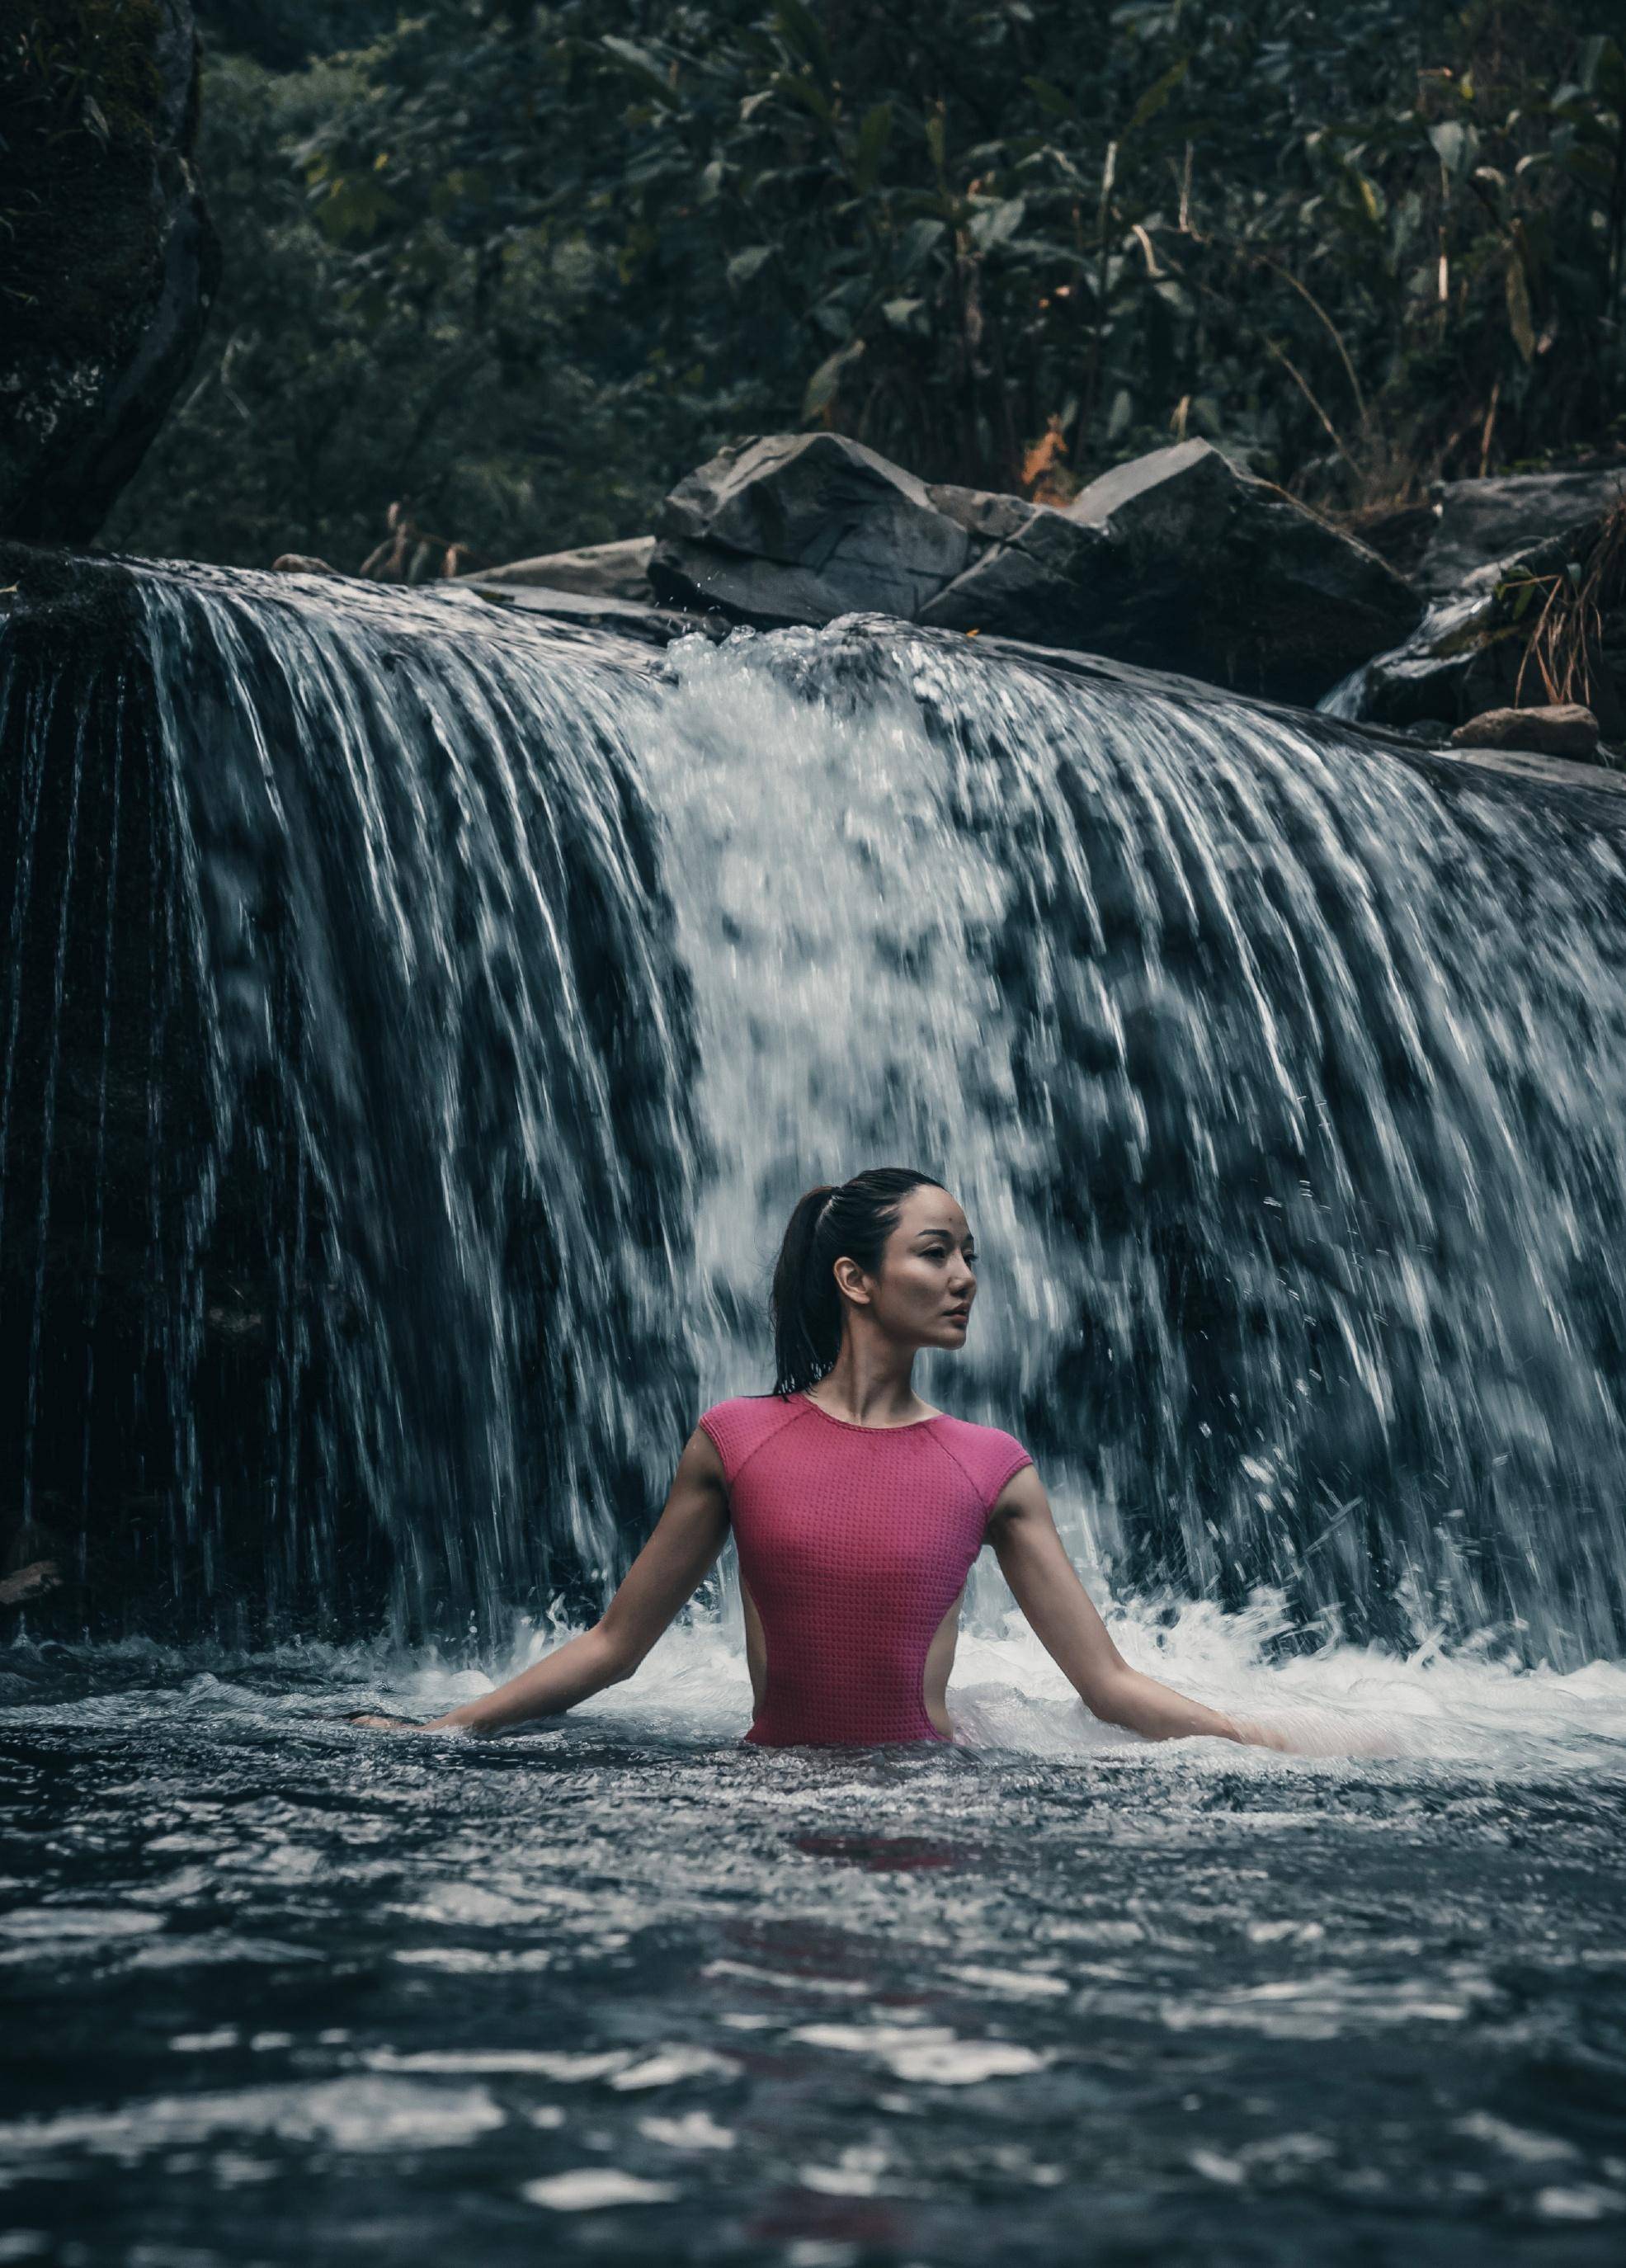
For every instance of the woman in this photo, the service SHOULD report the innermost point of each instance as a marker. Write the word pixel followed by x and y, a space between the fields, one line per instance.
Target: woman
pixel 856 1510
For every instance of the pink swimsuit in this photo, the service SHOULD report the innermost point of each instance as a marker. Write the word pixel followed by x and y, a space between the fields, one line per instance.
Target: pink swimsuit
pixel 854 1542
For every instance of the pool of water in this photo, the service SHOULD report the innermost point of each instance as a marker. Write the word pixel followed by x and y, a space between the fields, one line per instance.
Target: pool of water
pixel 280 1989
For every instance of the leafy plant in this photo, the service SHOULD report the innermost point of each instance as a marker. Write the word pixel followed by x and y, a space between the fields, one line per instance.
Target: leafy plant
pixel 525 265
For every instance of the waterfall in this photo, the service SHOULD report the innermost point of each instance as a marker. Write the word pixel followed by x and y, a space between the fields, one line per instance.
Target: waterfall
pixel 396 1197
pixel 421 1019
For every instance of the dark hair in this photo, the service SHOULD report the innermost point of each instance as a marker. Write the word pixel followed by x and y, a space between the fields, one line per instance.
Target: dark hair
pixel 829 1224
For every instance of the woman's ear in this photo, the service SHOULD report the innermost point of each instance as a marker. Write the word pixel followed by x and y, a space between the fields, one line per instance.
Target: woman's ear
pixel 851 1281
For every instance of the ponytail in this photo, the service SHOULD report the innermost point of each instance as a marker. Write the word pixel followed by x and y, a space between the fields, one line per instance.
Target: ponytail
pixel 852 1221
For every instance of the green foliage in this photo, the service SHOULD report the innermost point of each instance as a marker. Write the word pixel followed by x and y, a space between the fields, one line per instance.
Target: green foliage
pixel 400 320
pixel 1363 247
pixel 527 264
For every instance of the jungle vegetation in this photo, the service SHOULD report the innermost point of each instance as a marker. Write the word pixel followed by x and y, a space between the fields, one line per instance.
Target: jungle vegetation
pixel 526 265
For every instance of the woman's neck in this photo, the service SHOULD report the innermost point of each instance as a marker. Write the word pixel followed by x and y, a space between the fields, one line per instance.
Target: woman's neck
pixel 870 1387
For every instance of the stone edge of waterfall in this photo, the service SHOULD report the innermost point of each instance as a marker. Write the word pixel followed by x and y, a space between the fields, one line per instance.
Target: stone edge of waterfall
pixel 40 577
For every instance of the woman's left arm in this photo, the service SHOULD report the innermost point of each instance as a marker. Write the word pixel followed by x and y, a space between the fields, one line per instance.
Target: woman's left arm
pixel 1046 1586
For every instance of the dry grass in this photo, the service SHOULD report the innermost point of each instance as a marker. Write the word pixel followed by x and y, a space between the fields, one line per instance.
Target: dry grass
pixel 1564 643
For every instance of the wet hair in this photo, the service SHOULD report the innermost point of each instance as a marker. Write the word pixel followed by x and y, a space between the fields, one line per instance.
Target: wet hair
pixel 851 1221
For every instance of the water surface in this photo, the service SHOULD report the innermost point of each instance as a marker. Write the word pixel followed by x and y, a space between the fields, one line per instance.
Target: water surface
pixel 621 1988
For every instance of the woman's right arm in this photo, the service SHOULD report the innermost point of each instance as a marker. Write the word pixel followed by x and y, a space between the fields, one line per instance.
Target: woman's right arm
pixel 1035 1562
pixel 687 1538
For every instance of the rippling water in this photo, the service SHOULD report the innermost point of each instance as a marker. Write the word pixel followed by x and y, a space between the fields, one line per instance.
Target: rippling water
pixel 621 1987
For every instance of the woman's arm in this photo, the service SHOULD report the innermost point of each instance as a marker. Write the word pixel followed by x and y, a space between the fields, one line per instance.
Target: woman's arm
pixel 1047 1588
pixel 687 1538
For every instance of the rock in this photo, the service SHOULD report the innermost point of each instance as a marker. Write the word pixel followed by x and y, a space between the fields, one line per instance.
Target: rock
pixel 1399 533
pixel 801 527
pixel 30 1582
pixel 1180 561
pixel 1559 729
pixel 1463 659
pixel 599 570
pixel 112 261
pixel 649 625
pixel 1480 521
pixel 1467 656
pixel 1051 580
pixel 988 518
pixel 296 563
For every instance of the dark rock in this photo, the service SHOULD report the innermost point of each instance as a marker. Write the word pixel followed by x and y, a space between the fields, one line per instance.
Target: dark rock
pixel 297 562
pixel 1052 579
pixel 650 625
pixel 599 570
pixel 1557 729
pixel 801 527
pixel 1178 560
pixel 1481 521
pixel 113 261
pixel 989 519
pixel 1463 659
pixel 804 528
pixel 1468 654
pixel 30 1582
pixel 1399 533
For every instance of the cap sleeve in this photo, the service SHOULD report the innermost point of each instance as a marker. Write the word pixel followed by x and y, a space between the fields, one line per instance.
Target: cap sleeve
pixel 724 1434
pixel 1004 1458
pixel 740 1426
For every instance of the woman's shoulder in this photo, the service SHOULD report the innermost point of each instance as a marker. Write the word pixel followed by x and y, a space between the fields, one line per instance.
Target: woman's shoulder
pixel 987 1452
pixel 743 1422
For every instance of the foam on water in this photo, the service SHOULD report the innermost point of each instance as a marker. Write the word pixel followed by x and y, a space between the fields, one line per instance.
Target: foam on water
pixel 1471 1708
pixel 1007 1696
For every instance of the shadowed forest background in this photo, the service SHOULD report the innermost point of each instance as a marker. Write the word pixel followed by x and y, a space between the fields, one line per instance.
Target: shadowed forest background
pixel 524 266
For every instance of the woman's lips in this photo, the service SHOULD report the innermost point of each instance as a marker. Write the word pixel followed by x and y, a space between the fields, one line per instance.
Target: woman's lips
pixel 959 1314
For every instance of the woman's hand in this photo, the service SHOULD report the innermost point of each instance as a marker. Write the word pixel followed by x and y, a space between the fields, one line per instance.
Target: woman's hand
pixel 1254 1736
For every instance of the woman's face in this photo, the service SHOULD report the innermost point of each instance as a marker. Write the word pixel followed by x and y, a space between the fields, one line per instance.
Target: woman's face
pixel 927 1281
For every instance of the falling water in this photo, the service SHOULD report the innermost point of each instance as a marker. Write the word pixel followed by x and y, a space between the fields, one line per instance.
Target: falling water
pixel 505 984
pixel 1281 1080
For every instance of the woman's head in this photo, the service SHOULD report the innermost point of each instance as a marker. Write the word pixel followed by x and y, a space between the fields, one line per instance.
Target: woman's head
pixel 889 1251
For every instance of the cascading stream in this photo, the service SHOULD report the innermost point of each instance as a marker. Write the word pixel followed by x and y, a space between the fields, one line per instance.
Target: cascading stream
pixel 399 1087
pixel 1283 1090
pixel 511 984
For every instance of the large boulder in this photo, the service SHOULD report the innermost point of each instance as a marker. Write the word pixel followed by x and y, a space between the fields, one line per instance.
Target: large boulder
pixel 801 527
pixel 1177 560
pixel 1043 576
pixel 1181 561
pixel 112 258
pixel 1480 521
